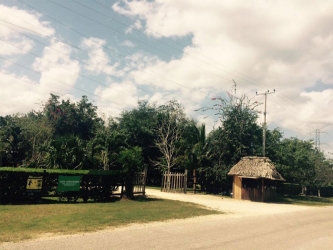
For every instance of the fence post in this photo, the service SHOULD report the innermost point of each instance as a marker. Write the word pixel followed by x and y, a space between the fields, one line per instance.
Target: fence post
pixel 144 182
pixel 185 181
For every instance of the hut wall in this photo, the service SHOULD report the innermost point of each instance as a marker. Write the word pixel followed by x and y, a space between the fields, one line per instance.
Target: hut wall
pixel 258 193
pixel 270 194
pixel 237 188
pixel 252 194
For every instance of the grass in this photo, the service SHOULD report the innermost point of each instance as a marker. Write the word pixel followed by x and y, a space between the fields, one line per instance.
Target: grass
pixel 22 222
pixel 304 200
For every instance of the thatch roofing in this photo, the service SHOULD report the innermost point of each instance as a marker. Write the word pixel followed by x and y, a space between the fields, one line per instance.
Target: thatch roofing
pixel 256 167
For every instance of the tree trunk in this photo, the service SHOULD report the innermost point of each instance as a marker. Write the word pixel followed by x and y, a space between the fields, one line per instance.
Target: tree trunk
pixel 304 190
pixel 318 192
pixel 129 185
pixel 169 180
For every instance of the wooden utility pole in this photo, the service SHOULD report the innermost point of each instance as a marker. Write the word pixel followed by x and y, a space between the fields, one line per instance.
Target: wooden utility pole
pixel 264 125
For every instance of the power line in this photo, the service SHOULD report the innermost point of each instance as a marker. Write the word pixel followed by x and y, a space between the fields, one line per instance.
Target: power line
pixel 214 62
pixel 145 72
pixel 162 77
pixel 284 97
pixel 62 41
pixel 87 92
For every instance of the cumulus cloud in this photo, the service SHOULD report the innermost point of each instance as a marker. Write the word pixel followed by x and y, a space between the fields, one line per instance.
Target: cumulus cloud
pixel 14 24
pixel 117 97
pixel 14 19
pixel 58 71
pixel 98 61
pixel 12 46
pixel 262 45
pixel 19 94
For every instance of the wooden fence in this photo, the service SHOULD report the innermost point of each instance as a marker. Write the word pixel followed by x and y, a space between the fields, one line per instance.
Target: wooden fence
pixel 174 182
pixel 140 183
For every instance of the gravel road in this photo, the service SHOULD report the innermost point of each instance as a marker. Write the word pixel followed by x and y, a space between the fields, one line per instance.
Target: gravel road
pixel 246 225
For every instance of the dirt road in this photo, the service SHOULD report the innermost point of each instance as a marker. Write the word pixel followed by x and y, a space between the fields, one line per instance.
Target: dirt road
pixel 247 225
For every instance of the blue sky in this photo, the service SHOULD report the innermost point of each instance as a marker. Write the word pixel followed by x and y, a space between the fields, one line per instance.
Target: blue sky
pixel 119 52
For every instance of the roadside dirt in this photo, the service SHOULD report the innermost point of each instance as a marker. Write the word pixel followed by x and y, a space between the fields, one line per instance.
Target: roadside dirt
pixel 235 208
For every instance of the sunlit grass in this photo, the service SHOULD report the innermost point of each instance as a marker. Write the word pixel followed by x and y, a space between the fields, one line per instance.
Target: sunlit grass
pixel 304 200
pixel 20 222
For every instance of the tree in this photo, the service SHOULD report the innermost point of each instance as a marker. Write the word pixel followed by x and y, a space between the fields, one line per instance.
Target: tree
pixel 172 121
pixel 36 134
pixel 323 171
pixel 295 161
pixel 87 119
pixel 12 142
pixel 196 156
pixel 132 162
pixel 273 140
pixel 105 147
pixel 139 126
pixel 66 152
pixel 239 134
pixel 67 118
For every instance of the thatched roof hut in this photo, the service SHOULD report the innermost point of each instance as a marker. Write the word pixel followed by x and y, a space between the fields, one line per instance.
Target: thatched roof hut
pixel 255 179
pixel 256 167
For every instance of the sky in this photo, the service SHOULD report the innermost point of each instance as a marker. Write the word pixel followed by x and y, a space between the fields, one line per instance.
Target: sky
pixel 119 52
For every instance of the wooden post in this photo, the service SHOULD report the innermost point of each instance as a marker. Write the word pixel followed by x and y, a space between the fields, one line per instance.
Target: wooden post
pixel 185 182
pixel 144 182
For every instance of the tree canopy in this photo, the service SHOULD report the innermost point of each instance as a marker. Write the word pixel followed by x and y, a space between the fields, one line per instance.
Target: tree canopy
pixel 71 135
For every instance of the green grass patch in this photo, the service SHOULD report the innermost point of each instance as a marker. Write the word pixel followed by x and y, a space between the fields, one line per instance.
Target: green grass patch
pixel 304 200
pixel 21 222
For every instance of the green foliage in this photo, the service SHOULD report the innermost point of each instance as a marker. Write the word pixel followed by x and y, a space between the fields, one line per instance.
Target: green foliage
pixel 68 135
pixel 56 171
pixel 132 162
pixel 138 127
pixel 69 118
pixel 239 134
pixel 295 161
pixel 12 144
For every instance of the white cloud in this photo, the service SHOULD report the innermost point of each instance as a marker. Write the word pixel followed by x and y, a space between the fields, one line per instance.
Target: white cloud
pixel 11 47
pixel 20 94
pixel 136 26
pixel 283 45
pixel 14 24
pixel 128 43
pixel 98 61
pixel 14 19
pixel 58 76
pixel 117 97
pixel 59 71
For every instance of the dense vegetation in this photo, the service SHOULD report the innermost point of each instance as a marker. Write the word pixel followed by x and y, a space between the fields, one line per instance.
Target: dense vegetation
pixel 67 135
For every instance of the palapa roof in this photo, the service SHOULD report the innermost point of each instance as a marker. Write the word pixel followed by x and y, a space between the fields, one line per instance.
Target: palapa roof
pixel 256 167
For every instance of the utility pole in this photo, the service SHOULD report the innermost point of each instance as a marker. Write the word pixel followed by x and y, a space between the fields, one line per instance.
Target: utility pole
pixel 317 140
pixel 264 125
